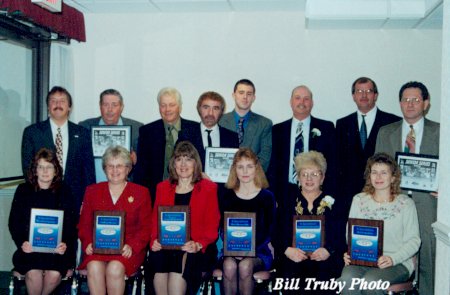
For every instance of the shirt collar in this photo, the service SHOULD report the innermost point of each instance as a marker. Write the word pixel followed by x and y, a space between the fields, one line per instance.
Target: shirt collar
pixel 119 122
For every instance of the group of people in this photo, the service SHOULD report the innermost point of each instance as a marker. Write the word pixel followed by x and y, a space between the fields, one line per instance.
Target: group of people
pixel 280 171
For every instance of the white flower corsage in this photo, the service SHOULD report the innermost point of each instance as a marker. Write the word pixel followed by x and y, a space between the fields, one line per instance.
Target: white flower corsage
pixel 316 132
pixel 327 201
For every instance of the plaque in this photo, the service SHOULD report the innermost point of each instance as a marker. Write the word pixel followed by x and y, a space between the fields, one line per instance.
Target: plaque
pixel 419 172
pixel 173 226
pixel 45 229
pixel 109 231
pixel 239 234
pixel 110 135
pixel 218 163
pixel 365 241
pixel 308 232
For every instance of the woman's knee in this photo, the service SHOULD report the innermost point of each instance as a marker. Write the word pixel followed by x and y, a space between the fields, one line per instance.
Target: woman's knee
pixel 115 270
pixel 229 267
pixel 52 276
pixel 246 268
pixel 34 274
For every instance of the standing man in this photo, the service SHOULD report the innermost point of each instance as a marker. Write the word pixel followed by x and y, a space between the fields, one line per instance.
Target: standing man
pixel 417 135
pixel 254 131
pixel 300 134
pixel 157 140
pixel 111 108
pixel 356 135
pixel 210 107
pixel 70 142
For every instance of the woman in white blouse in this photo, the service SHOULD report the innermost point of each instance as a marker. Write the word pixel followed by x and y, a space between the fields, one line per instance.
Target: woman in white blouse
pixel 381 200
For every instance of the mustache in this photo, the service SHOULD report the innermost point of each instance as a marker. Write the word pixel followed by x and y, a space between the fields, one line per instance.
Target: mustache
pixel 58 108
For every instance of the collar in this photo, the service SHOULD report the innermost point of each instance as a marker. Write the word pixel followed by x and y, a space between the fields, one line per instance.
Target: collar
pixel 203 127
pixel 119 122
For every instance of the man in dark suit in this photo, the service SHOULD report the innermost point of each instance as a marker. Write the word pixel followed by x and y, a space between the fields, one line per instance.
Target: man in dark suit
pixel 210 107
pixel 418 135
pixel 111 108
pixel 356 136
pixel 75 147
pixel 254 131
pixel 157 140
pixel 316 134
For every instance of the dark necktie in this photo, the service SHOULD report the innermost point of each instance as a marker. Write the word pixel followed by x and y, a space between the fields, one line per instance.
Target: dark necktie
pixel 170 143
pixel 363 132
pixel 241 130
pixel 209 137
pixel 410 143
pixel 59 147
pixel 298 147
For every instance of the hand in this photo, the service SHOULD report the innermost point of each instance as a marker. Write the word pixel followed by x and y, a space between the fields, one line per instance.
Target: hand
pixel 191 247
pixel 26 247
pixel 205 176
pixel 347 259
pixel 89 250
pixel 320 254
pixel 156 246
pixel 384 262
pixel 61 249
pixel 295 254
pixel 434 194
pixel 127 251
pixel 133 157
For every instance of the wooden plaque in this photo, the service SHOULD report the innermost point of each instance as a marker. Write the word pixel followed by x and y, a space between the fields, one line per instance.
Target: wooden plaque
pixel 174 227
pixel 308 232
pixel 46 227
pixel 109 231
pixel 365 241
pixel 239 234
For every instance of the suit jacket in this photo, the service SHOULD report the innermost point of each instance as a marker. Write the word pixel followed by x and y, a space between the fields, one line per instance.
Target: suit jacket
pixel 281 145
pixel 257 135
pixel 149 169
pixel 204 210
pixel 79 171
pixel 228 139
pixel 135 125
pixel 352 158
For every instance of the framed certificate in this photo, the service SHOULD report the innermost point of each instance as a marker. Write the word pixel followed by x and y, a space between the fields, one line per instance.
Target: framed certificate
pixel 218 162
pixel 109 232
pixel 45 229
pixel 308 232
pixel 107 135
pixel 173 226
pixel 239 234
pixel 365 241
pixel 419 172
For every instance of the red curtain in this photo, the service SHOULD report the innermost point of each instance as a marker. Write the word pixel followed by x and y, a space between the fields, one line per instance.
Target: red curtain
pixel 68 23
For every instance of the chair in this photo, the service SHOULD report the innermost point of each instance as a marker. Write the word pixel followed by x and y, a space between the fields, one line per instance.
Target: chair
pixel 408 286
pixel 17 284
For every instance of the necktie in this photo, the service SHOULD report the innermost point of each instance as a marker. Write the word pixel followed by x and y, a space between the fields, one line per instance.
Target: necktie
pixel 170 143
pixel 298 147
pixel 363 132
pixel 59 147
pixel 410 143
pixel 209 137
pixel 241 130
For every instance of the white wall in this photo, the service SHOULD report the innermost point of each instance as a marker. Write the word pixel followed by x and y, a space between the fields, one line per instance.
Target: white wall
pixel 139 54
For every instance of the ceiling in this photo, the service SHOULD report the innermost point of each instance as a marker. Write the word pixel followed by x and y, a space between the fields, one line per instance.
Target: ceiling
pixel 319 14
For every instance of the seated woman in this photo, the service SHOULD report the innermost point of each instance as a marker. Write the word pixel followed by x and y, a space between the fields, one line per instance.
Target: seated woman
pixel 247 184
pixel 43 189
pixel 381 200
pixel 308 199
pixel 106 273
pixel 179 271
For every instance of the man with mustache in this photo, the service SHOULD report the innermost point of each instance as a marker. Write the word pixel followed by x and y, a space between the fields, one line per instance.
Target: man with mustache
pixel 111 108
pixel 71 143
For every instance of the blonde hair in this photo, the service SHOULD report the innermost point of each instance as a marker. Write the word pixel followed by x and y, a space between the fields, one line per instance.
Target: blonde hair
pixel 311 158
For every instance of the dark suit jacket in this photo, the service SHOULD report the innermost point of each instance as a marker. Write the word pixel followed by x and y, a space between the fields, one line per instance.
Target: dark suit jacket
pixel 280 161
pixel 135 125
pixel 352 158
pixel 149 170
pixel 79 171
pixel 257 135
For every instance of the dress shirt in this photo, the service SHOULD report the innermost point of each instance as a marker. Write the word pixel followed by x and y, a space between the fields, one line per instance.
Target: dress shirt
pixel 418 130
pixel 306 126
pixel 236 119
pixel 175 130
pixel 65 138
pixel 215 135
pixel 369 119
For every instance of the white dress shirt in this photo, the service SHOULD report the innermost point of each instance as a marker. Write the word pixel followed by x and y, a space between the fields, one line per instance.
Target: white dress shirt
pixel 306 126
pixel 65 138
pixel 215 135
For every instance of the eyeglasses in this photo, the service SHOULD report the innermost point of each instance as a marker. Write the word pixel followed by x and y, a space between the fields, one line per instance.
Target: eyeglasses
pixel 366 91
pixel 313 175
pixel 413 100
pixel 45 168
pixel 118 167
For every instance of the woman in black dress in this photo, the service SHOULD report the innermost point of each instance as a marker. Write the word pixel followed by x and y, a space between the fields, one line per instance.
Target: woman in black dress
pixel 43 189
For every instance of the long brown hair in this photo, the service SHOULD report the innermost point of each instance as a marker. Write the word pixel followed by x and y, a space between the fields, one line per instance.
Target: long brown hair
pixel 383 158
pixel 48 156
pixel 260 178
pixel 185 149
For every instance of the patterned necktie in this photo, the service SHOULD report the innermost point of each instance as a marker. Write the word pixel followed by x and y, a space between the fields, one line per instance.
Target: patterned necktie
pixel 410 143
pixel 241 130
pixel 59 147
pixel 298 147
pixel 363 132
pixel 209 137
pixel 170 143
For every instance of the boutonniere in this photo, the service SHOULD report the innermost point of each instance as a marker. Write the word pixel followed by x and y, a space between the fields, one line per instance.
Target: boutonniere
pixel 316 132
pixel 130 199
pixel 299 208
pixel 327 201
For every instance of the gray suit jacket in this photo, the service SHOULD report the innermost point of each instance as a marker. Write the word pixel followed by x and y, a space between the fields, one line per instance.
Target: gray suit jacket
pixel 257 135
pixel 135 125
